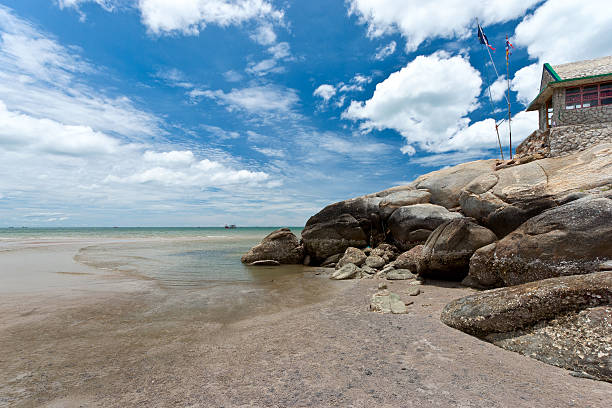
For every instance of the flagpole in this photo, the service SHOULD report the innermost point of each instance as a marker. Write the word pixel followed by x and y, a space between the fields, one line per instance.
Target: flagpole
pixel 501 152
pixel 508 96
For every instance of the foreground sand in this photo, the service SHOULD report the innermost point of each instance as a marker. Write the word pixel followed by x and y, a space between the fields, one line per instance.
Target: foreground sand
pixel 141 345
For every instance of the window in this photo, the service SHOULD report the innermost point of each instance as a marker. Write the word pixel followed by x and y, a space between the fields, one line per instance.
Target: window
pixel 588 96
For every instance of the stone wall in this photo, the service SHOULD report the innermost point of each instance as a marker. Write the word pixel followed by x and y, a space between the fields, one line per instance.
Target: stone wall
pixel 582 116
pixel 568 139
pixel 537 142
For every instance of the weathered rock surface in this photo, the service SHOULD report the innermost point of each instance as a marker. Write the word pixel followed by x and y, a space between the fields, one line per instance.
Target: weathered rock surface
pixel 504 199
pixel 567 240
pixel 411 225
pixel 348 271
pixel 409 259
pixel 580 341
pixel 516 307
pixel 402 198
pixel 564 321
pixel 448 250
pixel 375 261
pixel 482 273
pixel 281 246
pixel 387 302
pixel 351 255
pixel 445 185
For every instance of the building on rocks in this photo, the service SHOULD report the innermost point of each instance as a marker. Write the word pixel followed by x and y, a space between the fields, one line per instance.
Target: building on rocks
pixel 575 107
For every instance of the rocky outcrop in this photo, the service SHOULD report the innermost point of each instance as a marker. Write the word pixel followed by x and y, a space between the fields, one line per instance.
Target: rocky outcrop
pixel 281 246
pixel 351 255
pixel 445 185
pixel 411 225
pixel 567 240
pixel 564 321
pixel 448 250
pixel 505 199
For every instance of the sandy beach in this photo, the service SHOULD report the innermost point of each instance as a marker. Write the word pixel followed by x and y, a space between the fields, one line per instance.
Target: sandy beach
pixel 99 339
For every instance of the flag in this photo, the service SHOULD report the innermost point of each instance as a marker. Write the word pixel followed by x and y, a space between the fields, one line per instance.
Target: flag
pixel 508 46
pixel 483 38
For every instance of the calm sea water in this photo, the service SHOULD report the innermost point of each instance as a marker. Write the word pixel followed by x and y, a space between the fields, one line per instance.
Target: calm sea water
pixel 176 257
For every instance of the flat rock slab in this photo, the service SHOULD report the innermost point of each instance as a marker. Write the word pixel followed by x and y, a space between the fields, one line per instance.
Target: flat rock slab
pixel 400 274
pixel 387 302
pixel 265 262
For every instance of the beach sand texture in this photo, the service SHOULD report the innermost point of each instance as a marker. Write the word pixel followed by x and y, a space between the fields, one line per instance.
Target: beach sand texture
pixel 94 338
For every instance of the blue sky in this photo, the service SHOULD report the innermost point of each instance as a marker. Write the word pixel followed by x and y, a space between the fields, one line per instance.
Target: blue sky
pixel 257 112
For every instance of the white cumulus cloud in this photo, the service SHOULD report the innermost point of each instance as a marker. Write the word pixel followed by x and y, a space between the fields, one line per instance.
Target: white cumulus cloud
pixel 190 16
pixel 325 91
pixel 418 20
pixel 427 101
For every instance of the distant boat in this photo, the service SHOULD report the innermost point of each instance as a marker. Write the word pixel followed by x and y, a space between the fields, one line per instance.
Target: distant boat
pixel 231 226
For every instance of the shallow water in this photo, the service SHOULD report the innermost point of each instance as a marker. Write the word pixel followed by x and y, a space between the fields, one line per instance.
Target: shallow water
pixel 173 257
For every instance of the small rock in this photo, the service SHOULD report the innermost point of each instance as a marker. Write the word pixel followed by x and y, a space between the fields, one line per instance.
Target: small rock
pixel 265 262
pixel 416 282
pixel 382 285
pixel 351 255
pixel 387 269
pixel 414 292
pixel 346 272
pixel 386 302
pixel 375 261
pixel 368 270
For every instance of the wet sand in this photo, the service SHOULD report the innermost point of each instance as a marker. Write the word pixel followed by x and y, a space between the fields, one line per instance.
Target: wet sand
pixel 106 340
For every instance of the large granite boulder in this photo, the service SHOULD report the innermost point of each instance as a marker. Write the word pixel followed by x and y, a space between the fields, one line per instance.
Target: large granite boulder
pixel 448 249
pixel 504 199
pixel 445 185
pixel 411 225
pixel 571 239
pixel 564 321
pixel 355 222
pixel 352 255
pixel 281 246
pixel 324 239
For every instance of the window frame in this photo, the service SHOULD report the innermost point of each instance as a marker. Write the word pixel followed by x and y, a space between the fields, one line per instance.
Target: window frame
pixel 575 96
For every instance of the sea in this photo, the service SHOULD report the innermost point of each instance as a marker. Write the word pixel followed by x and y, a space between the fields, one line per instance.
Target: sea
pixel 174 257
